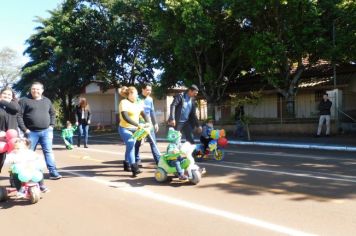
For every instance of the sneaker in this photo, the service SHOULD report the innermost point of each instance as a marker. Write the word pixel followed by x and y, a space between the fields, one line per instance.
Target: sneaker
pixel 183 177
pixel 54 175
pixel 85 146
pixel 202 170
pixel 44 189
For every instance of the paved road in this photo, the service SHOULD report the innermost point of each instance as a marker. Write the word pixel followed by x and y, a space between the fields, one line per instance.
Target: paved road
pixel 254 191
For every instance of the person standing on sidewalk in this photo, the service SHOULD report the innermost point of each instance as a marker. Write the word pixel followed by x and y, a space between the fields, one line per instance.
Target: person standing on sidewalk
pixel 36 119
pixel 239 114
pixel 149 110
pixel 82 117
pixel 183 115
pixel 324 109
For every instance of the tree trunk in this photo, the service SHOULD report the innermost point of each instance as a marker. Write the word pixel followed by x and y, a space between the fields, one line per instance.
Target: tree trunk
pixel 290 104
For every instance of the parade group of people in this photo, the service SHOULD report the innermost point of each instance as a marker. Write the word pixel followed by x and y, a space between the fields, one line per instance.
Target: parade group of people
pixel 136 111
pixel 34 117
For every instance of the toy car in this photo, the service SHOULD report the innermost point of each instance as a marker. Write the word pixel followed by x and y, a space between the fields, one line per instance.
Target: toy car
pixel 188 164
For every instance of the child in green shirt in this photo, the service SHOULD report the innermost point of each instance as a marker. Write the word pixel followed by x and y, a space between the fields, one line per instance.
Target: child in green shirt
pixel 67 135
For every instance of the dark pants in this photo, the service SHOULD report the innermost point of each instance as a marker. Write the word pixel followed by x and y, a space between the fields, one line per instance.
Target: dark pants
pixel 187 130
pixel 240 129
pixel 205 142
pixel 2 159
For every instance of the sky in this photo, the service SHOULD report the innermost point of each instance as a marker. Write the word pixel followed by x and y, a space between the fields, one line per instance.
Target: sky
pixel 17 21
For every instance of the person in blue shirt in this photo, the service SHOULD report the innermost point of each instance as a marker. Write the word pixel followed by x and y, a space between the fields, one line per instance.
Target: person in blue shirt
pixel 149 110
pixel 183 115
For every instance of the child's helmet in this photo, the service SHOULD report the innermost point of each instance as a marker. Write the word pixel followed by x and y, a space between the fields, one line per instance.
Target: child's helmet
pixel 173 135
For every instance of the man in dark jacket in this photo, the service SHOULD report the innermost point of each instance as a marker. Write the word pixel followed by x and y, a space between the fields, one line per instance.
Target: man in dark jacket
pixel 183 113
pixel 36 119
pixel 324 109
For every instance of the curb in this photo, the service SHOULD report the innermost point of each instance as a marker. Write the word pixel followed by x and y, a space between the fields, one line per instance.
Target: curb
pixel 288 145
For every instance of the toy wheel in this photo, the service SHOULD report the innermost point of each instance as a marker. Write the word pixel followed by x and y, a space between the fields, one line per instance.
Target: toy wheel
pixel 219 154
pixel 160 175
pixel 196 177
pixel 35 194
pixel 3 194
pixel 198 153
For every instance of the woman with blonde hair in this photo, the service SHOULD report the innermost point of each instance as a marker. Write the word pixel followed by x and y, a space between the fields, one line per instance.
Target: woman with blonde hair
pixel 130 112
pixel 82 117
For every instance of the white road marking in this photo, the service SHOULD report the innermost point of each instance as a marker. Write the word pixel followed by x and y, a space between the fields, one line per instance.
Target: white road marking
pixel 343 178
pixel 313 175
pixel 194 206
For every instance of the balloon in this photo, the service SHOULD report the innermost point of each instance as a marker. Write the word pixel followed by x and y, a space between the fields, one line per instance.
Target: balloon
pixel 222 142
pixel 15 169
pixel 11 144
pixel 37 176
pixel 10 134
pixel 3 147
pixel 25 176
pixel 222 133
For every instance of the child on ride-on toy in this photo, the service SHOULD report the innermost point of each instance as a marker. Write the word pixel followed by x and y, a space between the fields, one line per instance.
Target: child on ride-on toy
pixel 205 137
pixel 25 164
pixel 174 139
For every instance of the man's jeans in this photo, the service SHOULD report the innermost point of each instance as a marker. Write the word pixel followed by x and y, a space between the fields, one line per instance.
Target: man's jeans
pixel 126 135
pixel 187 130
pixel 44 138
pixel 83 131
pixel 323 118
pixel 152 140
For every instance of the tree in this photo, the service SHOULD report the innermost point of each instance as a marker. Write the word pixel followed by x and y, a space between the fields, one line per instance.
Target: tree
pixel 199 42
pixel 10 69
pixel 287 38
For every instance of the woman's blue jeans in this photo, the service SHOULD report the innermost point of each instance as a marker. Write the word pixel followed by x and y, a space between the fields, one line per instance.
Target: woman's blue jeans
pixel 126 135
pixel 83 131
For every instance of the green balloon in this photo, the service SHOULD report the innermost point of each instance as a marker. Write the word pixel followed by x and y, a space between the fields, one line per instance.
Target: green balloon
pixel 37 176
pixel 25 176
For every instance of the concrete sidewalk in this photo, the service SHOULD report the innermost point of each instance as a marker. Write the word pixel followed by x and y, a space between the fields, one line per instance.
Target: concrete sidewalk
pixel 337 142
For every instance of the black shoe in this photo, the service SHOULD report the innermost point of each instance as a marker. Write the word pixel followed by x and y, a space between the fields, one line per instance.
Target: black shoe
pixel 139 163
pixel 127 166
pixel 135 170
pixel 85 146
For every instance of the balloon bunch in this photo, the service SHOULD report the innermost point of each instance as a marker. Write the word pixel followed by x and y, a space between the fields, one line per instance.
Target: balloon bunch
pixel 7 140
pixel 220 136
pixel 28 172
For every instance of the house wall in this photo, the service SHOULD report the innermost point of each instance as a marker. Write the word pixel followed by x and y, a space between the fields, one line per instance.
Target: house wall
pixel 102 108
pixel 305 105
pixel 267 108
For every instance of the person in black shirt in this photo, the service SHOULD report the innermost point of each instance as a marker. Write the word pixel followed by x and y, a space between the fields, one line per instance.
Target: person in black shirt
pixel 36 119
pixel 8 114
pixel 324 109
